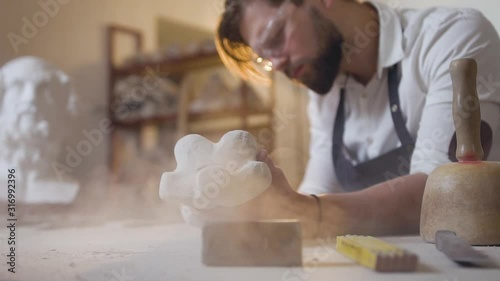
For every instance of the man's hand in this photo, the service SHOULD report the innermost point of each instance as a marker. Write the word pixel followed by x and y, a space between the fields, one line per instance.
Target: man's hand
pixel 279 201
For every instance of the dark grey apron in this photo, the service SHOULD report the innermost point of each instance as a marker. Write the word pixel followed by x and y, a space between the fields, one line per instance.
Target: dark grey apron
pixel 390 165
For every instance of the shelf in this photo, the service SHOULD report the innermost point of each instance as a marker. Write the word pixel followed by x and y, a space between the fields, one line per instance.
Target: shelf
pixel 232 112
pixel 242 116
pixel 229 128
pixel 194 116
pixel 171 66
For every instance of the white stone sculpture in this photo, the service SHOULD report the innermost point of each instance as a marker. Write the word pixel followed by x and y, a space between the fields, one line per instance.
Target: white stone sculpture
pixel 37 106
pixel 209 175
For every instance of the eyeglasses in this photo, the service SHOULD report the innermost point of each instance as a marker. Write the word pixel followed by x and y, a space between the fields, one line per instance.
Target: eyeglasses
pixel 272 39
pixel 262 63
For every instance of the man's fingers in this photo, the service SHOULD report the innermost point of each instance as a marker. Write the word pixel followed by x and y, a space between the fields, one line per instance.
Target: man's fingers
pixel 199 217
pixel 263 156
pixel 278 176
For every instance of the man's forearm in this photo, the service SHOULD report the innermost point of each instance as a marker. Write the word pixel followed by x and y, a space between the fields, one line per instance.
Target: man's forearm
pixel 389 208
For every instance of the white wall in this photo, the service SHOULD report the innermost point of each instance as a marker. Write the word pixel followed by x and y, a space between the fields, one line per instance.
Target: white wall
pixel 490 8
pixel 73 38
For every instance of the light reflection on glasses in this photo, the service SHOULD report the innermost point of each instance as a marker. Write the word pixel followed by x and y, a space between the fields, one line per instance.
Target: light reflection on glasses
pixel 271 42
pixel 261 62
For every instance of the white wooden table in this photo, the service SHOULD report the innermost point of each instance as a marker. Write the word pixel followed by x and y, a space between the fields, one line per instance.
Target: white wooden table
pixel 129 251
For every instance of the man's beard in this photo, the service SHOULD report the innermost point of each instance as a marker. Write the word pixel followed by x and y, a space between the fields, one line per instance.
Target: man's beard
pixel 324 68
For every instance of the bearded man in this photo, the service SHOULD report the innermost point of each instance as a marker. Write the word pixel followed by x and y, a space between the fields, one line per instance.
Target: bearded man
pixel 380 105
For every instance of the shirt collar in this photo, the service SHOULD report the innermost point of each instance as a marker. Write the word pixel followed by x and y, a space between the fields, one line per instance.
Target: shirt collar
pixel 390 38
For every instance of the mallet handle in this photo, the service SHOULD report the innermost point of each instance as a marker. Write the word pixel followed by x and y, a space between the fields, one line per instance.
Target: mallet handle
pixel 466 110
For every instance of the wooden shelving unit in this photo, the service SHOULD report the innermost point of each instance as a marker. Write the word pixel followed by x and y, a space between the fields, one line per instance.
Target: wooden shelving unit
pixel 194 116
pixel 172 66
pixel 183 117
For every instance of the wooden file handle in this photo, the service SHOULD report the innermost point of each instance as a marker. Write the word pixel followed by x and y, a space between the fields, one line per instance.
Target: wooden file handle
pixel 466 110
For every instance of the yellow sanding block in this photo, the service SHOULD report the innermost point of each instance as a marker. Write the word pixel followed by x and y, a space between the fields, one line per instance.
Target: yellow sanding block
pixel 376 254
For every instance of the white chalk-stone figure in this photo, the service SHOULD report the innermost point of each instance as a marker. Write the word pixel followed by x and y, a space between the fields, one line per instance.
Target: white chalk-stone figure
pixel 37 106
pixel 209 175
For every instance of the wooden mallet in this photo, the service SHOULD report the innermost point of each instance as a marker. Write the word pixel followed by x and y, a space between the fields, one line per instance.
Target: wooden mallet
pixel 464 197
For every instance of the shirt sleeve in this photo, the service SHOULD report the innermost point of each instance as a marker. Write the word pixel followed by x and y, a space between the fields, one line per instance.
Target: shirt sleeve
pixel 469 36
pixel 320 175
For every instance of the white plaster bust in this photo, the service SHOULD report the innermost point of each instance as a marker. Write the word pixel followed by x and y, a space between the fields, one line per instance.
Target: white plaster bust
pixel 37 106
pixel 209 175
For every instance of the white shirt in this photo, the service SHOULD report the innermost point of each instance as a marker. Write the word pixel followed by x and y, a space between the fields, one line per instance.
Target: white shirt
pixel 431 39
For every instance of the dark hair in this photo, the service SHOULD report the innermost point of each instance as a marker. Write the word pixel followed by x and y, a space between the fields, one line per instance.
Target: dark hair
pixel 233 50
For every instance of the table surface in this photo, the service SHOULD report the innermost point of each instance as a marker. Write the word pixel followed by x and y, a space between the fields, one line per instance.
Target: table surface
pixel 130 251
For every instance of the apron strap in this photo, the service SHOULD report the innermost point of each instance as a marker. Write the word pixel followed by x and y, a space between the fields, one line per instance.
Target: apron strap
pixel 395 108
pixel 338 129
pixel 346 172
